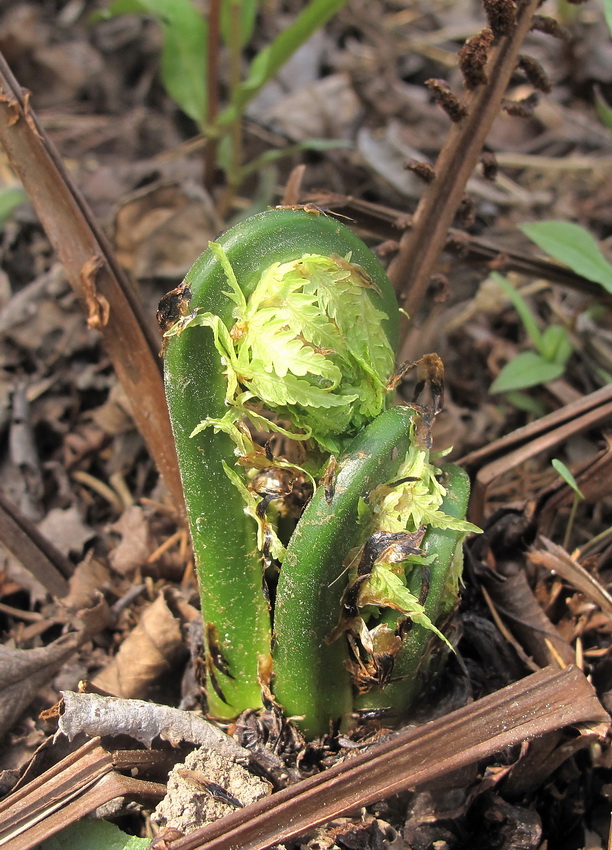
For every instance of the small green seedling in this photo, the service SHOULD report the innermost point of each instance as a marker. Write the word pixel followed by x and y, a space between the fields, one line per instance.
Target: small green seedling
pixel 575 247
pixel 531 368
pixel 327 543
pixel 188 64
pixel 569 479
pixel 572 245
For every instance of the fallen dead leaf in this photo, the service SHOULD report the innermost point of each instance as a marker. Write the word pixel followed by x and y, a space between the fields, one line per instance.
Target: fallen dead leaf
pixel 65 528
pixel 24 671
pixel 147 652
pixel 136 544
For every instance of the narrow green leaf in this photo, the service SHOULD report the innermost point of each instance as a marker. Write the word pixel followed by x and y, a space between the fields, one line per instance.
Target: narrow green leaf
pixel 526 402
pixel 280 153
pixel 608 13
pixel 127 7
pixel 567 476
pixel 522 308
pixel 271 59
pixel 556 345
pixel 247 14
pixel 573 245
pixel 603 110
pixel 183 67
pixel 528 369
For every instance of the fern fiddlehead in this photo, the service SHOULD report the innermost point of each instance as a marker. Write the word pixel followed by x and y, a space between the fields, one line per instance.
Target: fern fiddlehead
pixel 281 362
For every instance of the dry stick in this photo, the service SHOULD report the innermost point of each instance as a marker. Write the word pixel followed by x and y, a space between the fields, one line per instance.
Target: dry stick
pixel 568 413
pixel 93 272
pixel 543 702
pixel 33 550
pixel 385 222
pixel 72 789
pixel 553 430
pixel 411 269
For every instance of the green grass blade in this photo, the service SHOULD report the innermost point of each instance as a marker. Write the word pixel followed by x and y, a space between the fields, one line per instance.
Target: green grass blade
pixel 247 15
pixel 522 308
pixel 271 59
pixel 183 68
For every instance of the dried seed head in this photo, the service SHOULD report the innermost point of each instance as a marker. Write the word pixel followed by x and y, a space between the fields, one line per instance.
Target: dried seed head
pixel 439 287
pixel 542 23
pixel 535 73
pixel 473 58
pixel 466 213
pixel 449 102
pixel 516 109
pixel 521 108
pixel 421 169
pixel 489 165
pixel 458 243
pixel 501 16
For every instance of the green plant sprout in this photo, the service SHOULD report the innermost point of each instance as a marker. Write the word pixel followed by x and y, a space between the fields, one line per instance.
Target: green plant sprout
pixel 575 247
pixel 572 245
pixel 279 369
pixel 531 368
pixel 189 67
pixel 569 479
pixel 11 197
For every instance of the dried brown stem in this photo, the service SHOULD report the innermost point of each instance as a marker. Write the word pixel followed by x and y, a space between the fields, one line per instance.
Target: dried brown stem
pixel 524 443
pixel 411 269
pixel 70 790
pixel 541 703
pixel 33 550
pixel 108 299
pixel 387 223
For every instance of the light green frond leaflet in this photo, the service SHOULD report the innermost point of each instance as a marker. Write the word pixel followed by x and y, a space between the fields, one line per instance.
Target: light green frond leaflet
pixel 236 294
pixel 385 589
pixel 279 351
pixel 342 291
pixel 246 447
pixel 415 502
pixel 307 343
pixel 263 424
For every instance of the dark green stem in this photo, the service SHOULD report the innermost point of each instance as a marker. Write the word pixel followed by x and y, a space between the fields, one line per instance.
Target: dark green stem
pixel 312 679
pixel 412 659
